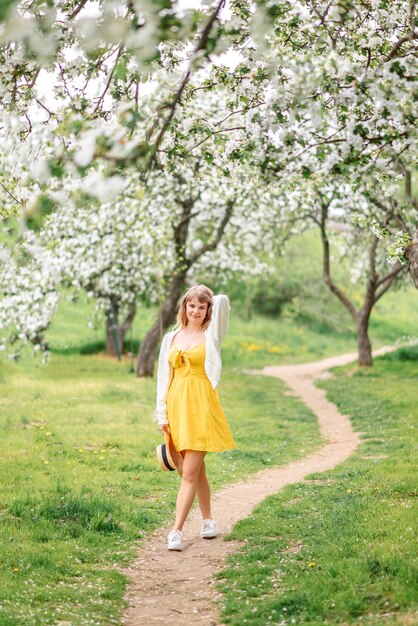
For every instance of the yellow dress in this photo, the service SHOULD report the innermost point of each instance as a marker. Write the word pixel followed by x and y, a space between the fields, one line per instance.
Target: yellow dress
pixel 194 411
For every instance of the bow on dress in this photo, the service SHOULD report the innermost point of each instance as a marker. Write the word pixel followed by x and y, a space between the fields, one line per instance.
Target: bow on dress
pixel 180 360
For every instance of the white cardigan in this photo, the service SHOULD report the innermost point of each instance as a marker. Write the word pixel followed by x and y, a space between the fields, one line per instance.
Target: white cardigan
pixel 214 336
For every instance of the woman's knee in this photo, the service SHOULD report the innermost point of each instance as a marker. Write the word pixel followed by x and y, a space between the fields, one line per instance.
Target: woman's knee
pixel 192 466
pixel 190 477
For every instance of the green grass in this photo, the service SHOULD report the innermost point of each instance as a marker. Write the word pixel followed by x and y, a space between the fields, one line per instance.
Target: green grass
pixel 285 340
pixel 257 342
pixel 79 479
pixel 313 321
pixel 79 483
pixel 342 547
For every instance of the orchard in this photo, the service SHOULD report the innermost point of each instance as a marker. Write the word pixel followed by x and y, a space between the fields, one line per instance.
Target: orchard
pixel 268 149
pixel 125 126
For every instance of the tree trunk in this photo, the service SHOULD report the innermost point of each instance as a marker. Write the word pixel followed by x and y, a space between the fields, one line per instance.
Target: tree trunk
pixel 168 310
pixel 411 254
pixel 363 341
pixel 146 356
pixel 115 332
pixel 166 316
pixel 376 287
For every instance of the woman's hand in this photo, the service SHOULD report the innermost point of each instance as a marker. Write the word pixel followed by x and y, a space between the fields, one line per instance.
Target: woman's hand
pixel 163 427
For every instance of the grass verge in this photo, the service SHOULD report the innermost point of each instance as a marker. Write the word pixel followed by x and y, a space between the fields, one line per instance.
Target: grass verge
pixel 79 484
pixel 342 546
pixel 79 481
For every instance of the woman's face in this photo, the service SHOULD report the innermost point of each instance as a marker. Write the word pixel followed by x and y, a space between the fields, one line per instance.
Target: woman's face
pixel 196 310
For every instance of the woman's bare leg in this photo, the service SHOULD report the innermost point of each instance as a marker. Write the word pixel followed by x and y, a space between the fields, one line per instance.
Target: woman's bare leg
pixel 203 492
pixel 192 463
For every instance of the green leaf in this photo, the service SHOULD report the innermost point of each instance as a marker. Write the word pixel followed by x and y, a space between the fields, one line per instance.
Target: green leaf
pixel 208 157
pixel 121 69
pixel 4 7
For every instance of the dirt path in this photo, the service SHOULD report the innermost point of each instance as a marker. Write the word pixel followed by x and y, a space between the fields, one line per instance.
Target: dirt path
pixel 175 588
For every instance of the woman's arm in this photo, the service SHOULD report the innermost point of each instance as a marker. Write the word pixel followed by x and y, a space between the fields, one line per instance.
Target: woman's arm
pixel 218 326
pixel 160 413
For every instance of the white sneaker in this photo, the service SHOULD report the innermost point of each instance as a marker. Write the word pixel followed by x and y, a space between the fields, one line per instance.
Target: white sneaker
pixel 209 530
pixel 174 540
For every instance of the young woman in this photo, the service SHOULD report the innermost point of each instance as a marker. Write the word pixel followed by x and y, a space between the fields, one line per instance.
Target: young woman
pixel 189 369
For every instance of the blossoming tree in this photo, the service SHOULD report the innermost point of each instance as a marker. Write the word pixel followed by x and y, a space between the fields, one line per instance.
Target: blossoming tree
pixel 353 223
pixel 341 94
pixel 324 87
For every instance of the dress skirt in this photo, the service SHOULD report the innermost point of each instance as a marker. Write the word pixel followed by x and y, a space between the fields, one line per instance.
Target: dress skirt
pixel 194 412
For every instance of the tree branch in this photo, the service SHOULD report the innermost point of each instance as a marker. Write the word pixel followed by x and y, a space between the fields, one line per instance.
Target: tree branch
pixel 50 113
pixel 371 283
pixel 127 322
pixel 109 80
pixel 399 43
pixel 211 245
pixel 215 132
pixel 201 45
pixel 372 258
pixel 246 108
pixel 413 34
pixel 378 203
pixel 326 258
pixel 385 282
pixel 408 183
pixel 77 10
pixel 181 230
pixel 10 194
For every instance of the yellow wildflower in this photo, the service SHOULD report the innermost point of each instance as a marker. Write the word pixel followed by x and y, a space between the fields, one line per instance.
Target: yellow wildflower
pixel 251 347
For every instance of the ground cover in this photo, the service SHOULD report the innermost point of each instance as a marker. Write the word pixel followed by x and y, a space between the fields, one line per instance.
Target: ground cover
pixel 341 547
pixel 79 483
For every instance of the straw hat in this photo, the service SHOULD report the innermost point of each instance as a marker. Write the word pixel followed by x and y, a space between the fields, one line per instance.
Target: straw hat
pixel 168 457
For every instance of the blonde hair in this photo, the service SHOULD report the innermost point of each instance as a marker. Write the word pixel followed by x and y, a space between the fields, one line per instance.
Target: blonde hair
pixel 203 294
